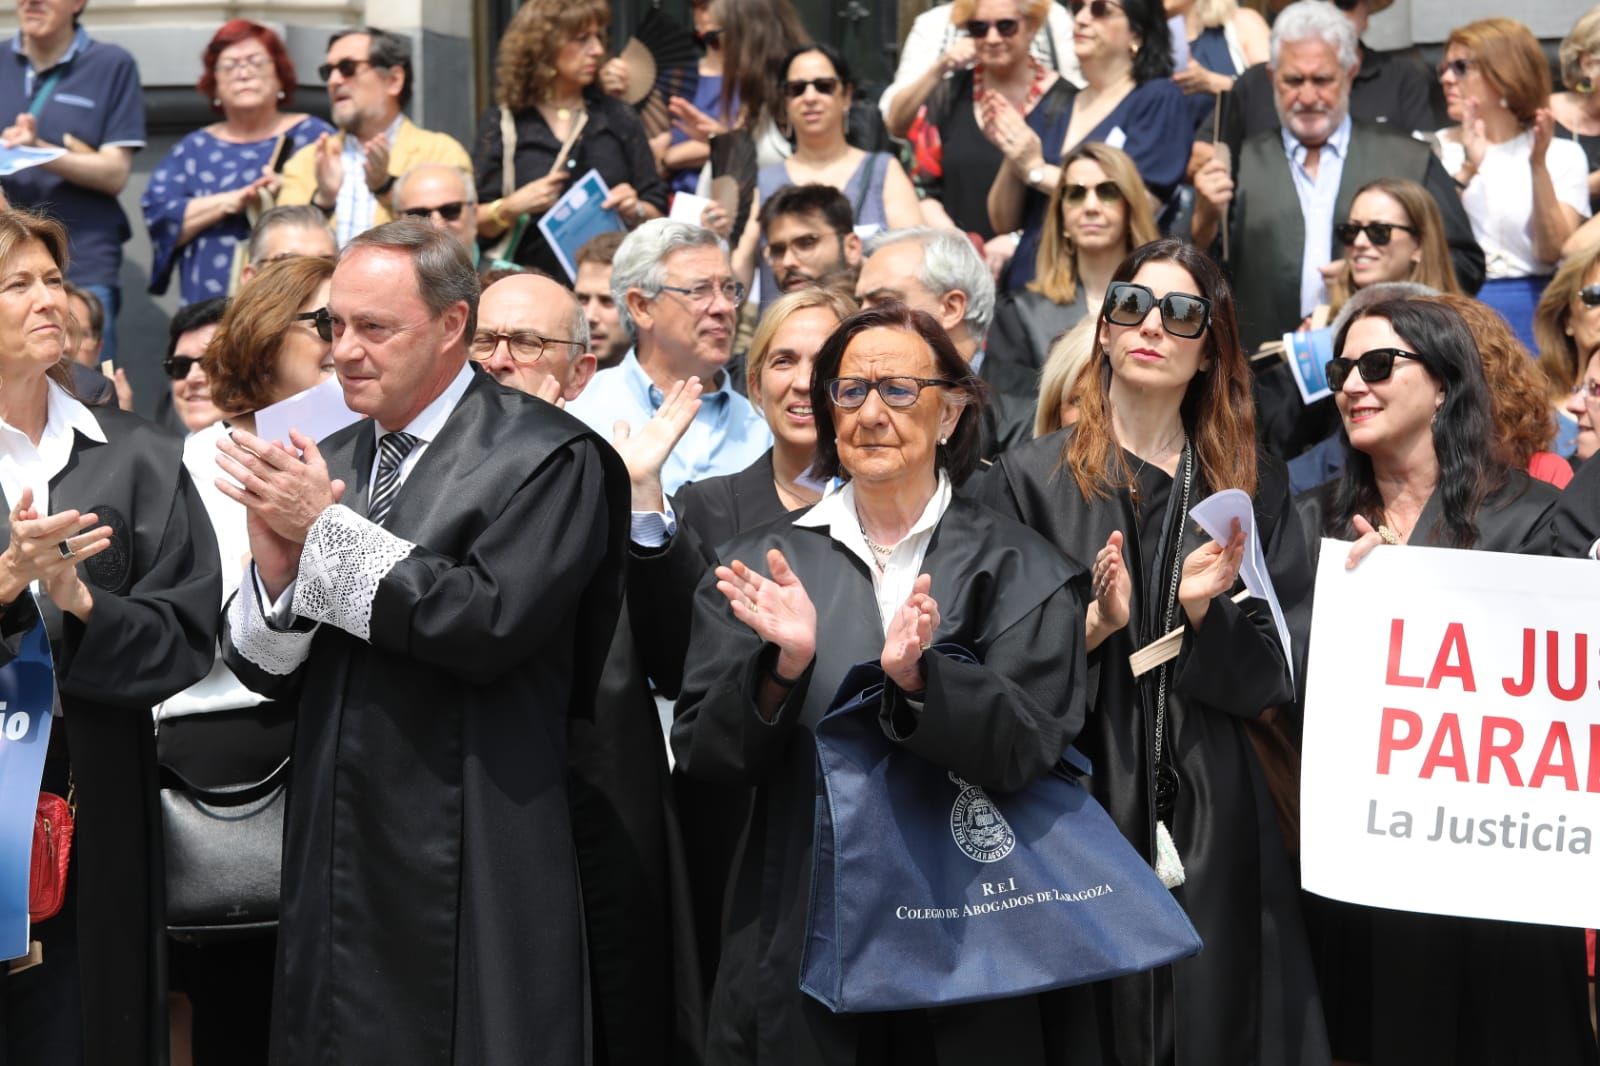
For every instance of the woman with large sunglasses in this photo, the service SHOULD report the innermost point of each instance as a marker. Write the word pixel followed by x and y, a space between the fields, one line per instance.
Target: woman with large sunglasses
pixel 942 111
pixel 1104 214
pixel 1393 232
pixel 889 563
pixel 1422 468
pixel 1129 101
pixel 1165 420
pixel 1566 325
pixel 1524 190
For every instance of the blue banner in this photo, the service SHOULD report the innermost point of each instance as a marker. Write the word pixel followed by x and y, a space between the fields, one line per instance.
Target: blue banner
pixel 27 693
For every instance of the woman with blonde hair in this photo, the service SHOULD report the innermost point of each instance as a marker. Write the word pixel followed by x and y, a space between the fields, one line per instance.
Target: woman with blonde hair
pixel 551 124
pixel 1566 325
pixel 1058 382
pixel 1577 111
pixel 1103 215
pixel 1524 191
pixel 1394 232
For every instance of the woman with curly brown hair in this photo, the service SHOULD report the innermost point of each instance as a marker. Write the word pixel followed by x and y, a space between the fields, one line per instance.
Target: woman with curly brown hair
pixel 1519 405
pixel 552 123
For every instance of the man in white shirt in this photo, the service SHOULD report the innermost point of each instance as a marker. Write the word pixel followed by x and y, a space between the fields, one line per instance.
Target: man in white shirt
pixel 438 660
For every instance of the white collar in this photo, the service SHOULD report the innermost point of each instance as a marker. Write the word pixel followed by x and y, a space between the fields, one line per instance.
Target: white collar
pixel 63 416
pixel 836 512
pixel 431 419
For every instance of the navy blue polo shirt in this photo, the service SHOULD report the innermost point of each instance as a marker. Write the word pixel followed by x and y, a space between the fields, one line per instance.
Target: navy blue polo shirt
pixel 98 100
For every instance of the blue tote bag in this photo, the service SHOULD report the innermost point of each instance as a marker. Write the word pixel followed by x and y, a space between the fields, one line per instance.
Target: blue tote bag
pixel 928 891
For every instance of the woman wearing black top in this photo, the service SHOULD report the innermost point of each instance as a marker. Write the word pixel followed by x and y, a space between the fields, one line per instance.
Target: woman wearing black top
pixel 548 61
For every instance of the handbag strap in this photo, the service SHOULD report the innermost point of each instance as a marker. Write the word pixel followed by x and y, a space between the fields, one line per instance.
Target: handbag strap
pixel 232 795
pixel 1169 612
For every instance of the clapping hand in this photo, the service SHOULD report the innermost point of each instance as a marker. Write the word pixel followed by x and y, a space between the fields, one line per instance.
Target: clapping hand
pixel 1474 133
pixel 1544 128
pixel 1112 586
pixel 1010 133
pixel 777 609
pixel 1209 572
pixel 910 634
pixel 962 54
pixel 695 123
pixel 330 169
pixel 377 150
pixel 645 453
pixel 47 549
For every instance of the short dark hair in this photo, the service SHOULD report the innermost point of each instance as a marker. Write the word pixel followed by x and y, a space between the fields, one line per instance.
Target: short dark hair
pixel 959 456
pixel 601 249
pixel 191 317
pixel 824 200
pixel 828 52
pixel 387 50
pixel 300 216
pixel 96 325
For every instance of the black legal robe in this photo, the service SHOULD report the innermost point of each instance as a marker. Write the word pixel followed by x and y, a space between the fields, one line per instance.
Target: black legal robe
pixel 1249 997
pixel 1575 518
pixel 1004 595
pixel 1404 988
pixel 430 898
pixel 151 635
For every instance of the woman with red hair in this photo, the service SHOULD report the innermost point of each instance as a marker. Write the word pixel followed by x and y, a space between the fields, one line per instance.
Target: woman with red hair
pixel 204 195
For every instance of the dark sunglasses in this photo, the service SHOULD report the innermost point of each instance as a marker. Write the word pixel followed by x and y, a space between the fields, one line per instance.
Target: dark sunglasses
pixel 1590 295
pixel 710 38
pixel 449 212
pixel 1098 9
pixel 178 366
pixel 1377 232
pixel 897 391
pixel 1375 366
pixel 797 89
pixel 346 67
pixel 1346 5
pixel 1107 192
pixel 1182 314
pixel 979 28
pixel 1458 67
pixel 320 320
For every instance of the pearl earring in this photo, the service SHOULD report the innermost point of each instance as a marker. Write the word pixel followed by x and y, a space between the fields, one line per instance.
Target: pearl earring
pixel 216 101
pixel 944 441
pixel 281 94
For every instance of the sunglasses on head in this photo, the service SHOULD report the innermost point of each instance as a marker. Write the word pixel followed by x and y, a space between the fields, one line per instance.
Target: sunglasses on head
pixel 1098 9
pixel 797 88
pixel 1377 232
pixel 1590 295
pixel 449 212
pixel 346 67
pixel 178 366
pixel 1107 192
pixel 1375 366
pixel 1458 67
pixel 1182 314
pixel 978 29
pixel 320 320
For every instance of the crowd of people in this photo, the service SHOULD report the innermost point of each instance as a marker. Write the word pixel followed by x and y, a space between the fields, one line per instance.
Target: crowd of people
pixel 542 639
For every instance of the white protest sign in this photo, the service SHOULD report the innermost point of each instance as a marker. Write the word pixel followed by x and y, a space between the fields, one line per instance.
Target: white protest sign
pixel 1452 734
pixel 1216 514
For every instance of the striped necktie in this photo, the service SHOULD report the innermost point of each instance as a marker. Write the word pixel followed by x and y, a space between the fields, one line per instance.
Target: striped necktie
pixel 392 451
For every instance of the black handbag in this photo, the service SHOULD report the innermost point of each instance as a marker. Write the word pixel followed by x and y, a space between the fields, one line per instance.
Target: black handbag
pixel 223 842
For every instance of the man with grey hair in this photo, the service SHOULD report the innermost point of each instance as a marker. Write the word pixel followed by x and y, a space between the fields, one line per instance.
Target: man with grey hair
pixel 677 297
pixel 430 876
pixel 533 336
pixel 938 271
pixel 285 232
pixel 443 195
pixel 1289 187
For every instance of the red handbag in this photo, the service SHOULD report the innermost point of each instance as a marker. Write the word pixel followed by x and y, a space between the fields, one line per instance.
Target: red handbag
pixel 52 849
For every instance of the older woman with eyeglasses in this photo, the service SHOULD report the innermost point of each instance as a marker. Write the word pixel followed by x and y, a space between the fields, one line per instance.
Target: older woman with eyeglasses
pixel 1165 419
pixel 1422 467
pixel 1525 191
pixel 882 568
pixel 203 194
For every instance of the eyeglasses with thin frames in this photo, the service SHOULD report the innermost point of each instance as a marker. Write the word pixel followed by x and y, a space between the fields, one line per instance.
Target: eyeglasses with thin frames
pixel 525 346
pixel 227 68
pixel 701 295
pixel 1107 192
pixel 1589 390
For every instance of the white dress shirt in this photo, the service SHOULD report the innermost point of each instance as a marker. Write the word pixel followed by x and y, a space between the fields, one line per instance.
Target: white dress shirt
pixel 1499 198
pixel 25 465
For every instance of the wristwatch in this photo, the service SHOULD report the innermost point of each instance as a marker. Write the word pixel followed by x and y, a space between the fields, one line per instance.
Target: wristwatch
pixel 1036 176
pixel 383 190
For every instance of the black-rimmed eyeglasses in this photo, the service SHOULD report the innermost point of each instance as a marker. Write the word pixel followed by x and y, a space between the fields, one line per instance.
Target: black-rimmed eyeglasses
pixel 347 68
pixel 978 29
pixel 320 320
pixel 1378 233
pixel 450 212
pixel 178 366
pixel 1589 295
pixel 1375 365
pixel 850 393
pixel 1182 314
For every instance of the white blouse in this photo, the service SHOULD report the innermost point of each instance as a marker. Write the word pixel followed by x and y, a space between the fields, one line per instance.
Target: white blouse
pixel 1499 199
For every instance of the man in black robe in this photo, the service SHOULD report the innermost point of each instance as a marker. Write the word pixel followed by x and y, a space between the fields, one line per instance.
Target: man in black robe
pixel 439 582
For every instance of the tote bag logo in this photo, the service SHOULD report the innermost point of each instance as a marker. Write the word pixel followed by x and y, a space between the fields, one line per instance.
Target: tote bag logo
pixel 980 830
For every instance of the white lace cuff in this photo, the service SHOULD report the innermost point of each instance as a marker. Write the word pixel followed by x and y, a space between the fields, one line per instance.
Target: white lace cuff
pixel 344 558
pixel 278 652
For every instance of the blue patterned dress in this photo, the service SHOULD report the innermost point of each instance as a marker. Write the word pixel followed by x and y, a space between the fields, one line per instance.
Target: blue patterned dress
pixel 199 165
